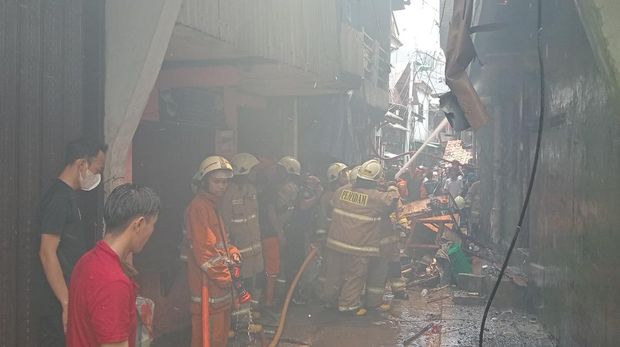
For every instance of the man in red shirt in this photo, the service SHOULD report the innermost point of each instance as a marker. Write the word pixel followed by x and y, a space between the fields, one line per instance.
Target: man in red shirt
pixel 102 295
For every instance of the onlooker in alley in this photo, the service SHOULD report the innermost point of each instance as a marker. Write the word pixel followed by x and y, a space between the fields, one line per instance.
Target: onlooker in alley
pixel 454 183
pixel 102 295
pixel 62 240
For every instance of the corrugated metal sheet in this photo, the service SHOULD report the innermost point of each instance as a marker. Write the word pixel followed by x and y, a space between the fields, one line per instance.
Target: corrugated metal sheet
pixel 352 50
pixel 47 89
pixel 301 33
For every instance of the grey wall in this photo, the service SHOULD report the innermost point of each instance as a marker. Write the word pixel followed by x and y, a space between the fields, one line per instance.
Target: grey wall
pixel 575 218
pixel 572 230
pixel 51 91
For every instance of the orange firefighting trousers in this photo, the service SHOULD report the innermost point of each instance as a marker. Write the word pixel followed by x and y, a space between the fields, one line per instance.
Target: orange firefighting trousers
pixel 220 325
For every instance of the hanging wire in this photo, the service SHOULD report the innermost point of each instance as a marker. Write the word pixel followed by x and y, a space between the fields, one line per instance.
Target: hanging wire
pixel 530 187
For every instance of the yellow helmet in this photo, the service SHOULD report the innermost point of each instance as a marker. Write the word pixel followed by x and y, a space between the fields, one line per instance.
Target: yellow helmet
pixel 370 170
pixel 242 163
pixel 334 170
pixel 353 174
pixel 211 164
pixel 291 165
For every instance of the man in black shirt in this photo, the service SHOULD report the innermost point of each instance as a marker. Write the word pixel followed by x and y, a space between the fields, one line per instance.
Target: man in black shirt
pixel 62 240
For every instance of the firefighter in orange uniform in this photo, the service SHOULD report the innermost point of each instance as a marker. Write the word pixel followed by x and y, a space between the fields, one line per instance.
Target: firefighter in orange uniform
pixel 240 213
pixel 276 204
pixel 354 236
pixel 411 187
pixel 210 252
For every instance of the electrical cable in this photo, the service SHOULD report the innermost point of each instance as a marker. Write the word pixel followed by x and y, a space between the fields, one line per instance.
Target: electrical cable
pixel 530 187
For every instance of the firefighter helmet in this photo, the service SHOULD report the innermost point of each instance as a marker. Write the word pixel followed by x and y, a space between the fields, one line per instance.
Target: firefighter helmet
pixel 211 164
pixel 353 174
pixel 460 202
pixel 242 163
pixel 370 170
pixel 334 170
pixel 291 165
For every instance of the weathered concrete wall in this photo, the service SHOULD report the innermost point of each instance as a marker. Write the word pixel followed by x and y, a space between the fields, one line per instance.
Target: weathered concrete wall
pixel 573 218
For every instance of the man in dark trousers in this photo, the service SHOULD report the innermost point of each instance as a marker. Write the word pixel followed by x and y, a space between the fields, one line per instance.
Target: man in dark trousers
pixel 62 240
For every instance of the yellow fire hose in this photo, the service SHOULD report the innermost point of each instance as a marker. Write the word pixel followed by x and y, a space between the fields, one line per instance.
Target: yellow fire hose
pixel 289 296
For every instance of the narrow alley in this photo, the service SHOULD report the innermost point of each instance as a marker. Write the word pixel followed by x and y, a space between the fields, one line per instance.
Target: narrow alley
pixel 262 173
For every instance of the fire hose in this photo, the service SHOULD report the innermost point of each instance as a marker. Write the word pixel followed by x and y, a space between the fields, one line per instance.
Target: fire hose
pixel 418 151
pixel 289 296
pixel 206 329
pixel 440 127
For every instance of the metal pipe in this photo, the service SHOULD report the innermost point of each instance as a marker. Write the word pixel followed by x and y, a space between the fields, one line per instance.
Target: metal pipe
pixel 437 130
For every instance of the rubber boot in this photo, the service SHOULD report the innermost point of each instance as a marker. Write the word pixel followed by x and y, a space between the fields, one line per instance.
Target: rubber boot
pixel 360 312
pixel 270 291
pixel 269 314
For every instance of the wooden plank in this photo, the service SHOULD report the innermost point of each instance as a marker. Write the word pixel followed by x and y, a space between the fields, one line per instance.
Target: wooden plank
pixel 8 170
pixel 29 128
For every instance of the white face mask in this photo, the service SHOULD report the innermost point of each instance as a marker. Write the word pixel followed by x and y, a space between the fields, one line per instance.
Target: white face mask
pixel 90 181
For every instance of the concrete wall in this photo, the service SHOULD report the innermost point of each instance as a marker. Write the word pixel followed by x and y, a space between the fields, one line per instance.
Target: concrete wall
pixel 573 220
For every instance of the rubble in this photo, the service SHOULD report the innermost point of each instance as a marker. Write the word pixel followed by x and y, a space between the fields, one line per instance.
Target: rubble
pixel 471 282
pixel 468 298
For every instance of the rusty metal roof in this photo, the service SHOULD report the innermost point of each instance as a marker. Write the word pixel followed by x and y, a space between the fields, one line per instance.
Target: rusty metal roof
pixel 455 152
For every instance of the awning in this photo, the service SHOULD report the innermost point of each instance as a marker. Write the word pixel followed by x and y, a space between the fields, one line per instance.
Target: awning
pixel 460 52
pixel 455 152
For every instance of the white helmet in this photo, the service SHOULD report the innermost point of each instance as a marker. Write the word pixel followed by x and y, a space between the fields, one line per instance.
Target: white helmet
pixel 371 170
pixel 242 163
pixel 211 164
pixel 334 170
pixel 291 165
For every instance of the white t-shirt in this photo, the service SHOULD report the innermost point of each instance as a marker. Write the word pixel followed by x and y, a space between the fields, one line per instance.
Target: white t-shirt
pixel 454 187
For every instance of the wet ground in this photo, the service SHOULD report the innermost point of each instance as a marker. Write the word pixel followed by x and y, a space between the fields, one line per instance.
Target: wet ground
pixel 446 324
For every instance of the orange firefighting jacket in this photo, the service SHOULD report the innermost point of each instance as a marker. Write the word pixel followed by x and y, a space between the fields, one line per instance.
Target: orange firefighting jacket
pixel 209 252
